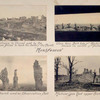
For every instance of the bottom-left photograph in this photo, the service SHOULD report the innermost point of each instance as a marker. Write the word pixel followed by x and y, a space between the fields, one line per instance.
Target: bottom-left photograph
pixel 23 73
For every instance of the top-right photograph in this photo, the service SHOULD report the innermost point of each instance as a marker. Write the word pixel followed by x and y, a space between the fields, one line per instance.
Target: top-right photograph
pixel 77 23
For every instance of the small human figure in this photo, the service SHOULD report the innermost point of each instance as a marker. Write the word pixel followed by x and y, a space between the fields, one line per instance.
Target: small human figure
pixel 94 76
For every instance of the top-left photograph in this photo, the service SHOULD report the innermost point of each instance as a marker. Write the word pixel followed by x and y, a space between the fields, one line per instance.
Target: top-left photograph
pixel 23 23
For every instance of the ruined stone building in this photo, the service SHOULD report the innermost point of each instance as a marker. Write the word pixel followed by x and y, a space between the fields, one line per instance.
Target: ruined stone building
pixel 85 77
pixel 37 75
pixel 15 80
pixel 4 79
pixel 87 71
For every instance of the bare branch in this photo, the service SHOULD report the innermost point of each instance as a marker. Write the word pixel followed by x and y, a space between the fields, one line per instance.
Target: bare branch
pixel 76 70
pixel 65 66
pixel 76 62
pixel 69 59
pixel 73 59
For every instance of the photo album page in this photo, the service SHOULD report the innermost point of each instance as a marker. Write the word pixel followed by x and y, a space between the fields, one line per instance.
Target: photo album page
pixel 49 49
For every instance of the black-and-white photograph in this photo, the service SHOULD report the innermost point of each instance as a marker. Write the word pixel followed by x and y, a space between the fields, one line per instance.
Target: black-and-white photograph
pixel 77 23
pixel 23 73
pixel 22 23
pixel 77 73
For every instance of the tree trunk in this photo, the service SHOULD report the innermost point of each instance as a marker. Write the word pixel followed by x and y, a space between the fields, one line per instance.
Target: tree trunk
pixel 70 74
pixel 56 76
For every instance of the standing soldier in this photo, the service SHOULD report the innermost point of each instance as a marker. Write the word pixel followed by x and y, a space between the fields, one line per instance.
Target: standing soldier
pixel 94 76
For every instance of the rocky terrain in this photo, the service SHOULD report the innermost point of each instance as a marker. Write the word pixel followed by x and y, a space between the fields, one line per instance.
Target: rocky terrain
pixel 23 29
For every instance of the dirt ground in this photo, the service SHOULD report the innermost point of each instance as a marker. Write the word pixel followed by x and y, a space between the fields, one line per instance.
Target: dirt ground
pixel 76 86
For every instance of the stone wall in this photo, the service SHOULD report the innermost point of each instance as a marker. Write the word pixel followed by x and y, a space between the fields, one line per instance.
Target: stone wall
pixel 37 75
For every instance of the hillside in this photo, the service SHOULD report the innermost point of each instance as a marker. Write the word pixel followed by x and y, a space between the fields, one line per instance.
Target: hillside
pixel 20 29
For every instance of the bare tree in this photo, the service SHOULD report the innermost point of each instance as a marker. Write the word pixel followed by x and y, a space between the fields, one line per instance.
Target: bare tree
pixel 91 27
pixel 68 25
pixel 62 26
pixel 66 67
pixel 74 71
pixel 72 61
pixel 98 27
pixel 76 27
pixel 57 63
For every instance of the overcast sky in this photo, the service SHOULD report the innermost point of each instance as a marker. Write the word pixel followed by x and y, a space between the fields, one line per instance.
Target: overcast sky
pixel 90 18
pixel 90 62
pixel 24 65
pixel 21 10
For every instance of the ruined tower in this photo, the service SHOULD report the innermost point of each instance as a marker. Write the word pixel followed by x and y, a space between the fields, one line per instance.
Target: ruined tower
pixel 4 79
pixel 15 80
pixel 37 75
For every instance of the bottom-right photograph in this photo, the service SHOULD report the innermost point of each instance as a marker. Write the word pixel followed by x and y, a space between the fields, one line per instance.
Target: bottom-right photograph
pixel 77 73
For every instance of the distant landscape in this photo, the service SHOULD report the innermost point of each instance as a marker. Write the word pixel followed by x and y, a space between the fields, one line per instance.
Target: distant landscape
pixel 23 29
pixel 77 27
pixel 77 32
